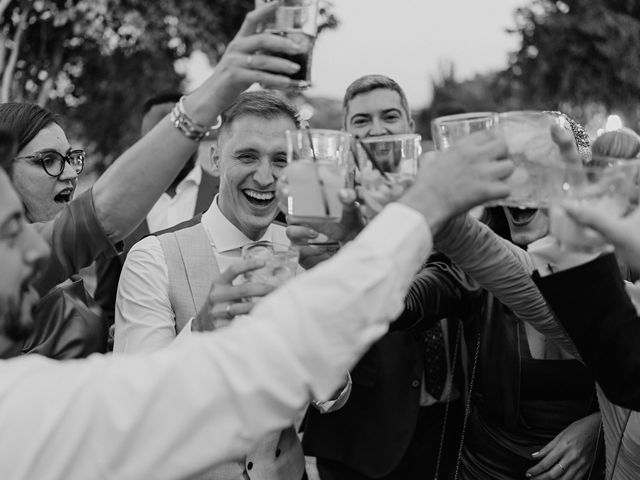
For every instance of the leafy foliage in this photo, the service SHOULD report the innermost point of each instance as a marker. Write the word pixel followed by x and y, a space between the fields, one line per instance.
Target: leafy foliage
pixel 97 61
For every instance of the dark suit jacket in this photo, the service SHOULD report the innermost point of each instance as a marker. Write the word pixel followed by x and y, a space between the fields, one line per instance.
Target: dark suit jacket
pixel 108 270
pixel 591 302
pixel 371 433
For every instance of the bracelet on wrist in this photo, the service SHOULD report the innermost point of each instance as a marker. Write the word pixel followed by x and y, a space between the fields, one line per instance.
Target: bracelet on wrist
pixel 189 127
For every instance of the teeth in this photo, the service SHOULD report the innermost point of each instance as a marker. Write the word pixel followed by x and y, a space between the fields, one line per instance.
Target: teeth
pixel 260 195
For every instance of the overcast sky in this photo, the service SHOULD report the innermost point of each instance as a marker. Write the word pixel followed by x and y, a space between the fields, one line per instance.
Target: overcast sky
pixel 408 39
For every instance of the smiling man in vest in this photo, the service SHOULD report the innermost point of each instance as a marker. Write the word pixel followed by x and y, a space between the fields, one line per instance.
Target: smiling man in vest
pixel 167 277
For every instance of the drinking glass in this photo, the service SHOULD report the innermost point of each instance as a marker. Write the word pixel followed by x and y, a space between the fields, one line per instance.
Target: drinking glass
pixel 610 187
pixel 534 154
pixel 296 20
pixel 387 165
pixel 448 130
pixel 281 262
pixel 317 170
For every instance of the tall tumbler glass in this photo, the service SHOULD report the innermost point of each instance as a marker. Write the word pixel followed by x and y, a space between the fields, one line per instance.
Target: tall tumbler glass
pixel 296 20
pixel 448 130
pixel 316 172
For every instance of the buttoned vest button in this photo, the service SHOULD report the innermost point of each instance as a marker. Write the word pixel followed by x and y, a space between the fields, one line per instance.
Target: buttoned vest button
pixel 415 383
pixel 249 465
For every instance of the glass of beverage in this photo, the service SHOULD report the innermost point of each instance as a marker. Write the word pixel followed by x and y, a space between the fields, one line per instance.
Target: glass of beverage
pixel 448 130
pixel 609 186
pixel 534 153
pixel 296 20
pixel 317 171
pixel 281 262
pixel 387 165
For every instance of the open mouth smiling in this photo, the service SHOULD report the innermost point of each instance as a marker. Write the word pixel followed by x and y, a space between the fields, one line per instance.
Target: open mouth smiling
pixel 64 196
pixel 522 216
pixel 260 199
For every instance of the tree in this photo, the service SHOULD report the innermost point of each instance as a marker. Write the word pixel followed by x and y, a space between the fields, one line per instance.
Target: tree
pixel 96 61
pixel 578 54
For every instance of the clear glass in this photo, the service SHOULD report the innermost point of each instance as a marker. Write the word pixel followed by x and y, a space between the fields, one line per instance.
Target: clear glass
pixel 611 187
pixel 317 171
pixel 281 262
pixel 528 138
pixel 448 130
pixel 296 20
pixel 387 166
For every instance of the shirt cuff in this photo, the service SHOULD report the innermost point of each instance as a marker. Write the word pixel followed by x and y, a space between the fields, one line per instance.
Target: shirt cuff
pixel 549 258
pixel 338 400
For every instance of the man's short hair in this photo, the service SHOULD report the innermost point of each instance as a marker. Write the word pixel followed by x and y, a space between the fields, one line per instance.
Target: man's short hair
pixel 160 99
pixel 369 83
pixel 263 103
pixel 7 148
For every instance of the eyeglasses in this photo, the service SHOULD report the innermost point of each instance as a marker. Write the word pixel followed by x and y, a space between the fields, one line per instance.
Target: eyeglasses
pixel 53 162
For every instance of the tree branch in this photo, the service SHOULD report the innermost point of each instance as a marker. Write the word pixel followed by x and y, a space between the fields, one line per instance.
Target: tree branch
pixel 7 75
pixel 56 66
pixel 3 6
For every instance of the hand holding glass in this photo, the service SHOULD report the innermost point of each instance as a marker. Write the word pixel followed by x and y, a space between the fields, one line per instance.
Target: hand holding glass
pixel 296 20
pixel 608 187
pixel 281 262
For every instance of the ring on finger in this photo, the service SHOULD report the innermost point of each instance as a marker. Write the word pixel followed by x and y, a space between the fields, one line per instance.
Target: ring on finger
pixel 249 59
pixel 561 467
pixel 228 311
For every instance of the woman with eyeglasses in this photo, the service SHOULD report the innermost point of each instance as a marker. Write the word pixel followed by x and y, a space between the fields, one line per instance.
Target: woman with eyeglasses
pixel 45 171
pixel 45 168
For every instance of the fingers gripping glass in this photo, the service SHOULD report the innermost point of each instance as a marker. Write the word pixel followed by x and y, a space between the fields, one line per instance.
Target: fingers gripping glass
pixel 53 162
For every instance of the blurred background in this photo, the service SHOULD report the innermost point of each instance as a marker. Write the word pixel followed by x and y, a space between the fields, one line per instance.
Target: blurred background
pixel 95 62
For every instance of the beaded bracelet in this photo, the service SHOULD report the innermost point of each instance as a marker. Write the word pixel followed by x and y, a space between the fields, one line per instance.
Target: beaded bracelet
pixel 191 129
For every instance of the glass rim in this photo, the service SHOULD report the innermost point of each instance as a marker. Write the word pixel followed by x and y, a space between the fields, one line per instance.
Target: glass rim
pixel 391 138
pixel 318 131
pixel 537 113
pixel 464 116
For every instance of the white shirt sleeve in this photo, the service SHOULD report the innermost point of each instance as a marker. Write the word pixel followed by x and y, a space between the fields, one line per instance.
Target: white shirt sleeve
pixel 144 318
pixel 182 410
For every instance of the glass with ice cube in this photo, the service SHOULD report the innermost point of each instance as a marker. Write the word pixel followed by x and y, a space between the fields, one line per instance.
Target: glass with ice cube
pixel 281 262
pixel 534 154
pixel 610 187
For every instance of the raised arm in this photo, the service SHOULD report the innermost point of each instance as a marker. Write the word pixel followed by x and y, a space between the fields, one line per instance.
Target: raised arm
pixel 503 269
pixel 128 189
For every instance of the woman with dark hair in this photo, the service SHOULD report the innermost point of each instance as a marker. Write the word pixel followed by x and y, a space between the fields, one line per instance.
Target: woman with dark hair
pixel 79 230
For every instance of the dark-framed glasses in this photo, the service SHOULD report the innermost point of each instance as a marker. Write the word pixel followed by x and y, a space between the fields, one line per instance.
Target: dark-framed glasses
pixel 53 162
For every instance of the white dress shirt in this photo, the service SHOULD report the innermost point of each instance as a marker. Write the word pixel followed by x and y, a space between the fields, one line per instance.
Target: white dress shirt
pixel 144 317
pixel 169 211
pixel 206 399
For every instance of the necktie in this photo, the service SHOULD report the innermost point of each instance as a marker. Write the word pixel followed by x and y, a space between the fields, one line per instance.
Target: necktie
pixel 435 361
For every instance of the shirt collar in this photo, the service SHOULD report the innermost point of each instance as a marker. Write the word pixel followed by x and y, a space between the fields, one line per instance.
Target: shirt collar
pixel 194 177
pixel 225 236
